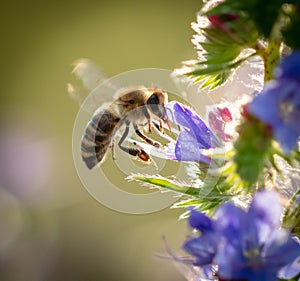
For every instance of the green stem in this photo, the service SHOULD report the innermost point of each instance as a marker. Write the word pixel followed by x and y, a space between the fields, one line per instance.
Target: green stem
pixel 270 57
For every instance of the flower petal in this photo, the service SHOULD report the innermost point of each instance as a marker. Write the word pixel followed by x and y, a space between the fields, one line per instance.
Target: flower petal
pixel 200 221
pixel 289 67
pixel 191 122
pixel 281 249
pixel 231 262
pixel 230 223
pixel 265 212
pixel 291 270
pixel 287 137
pixel 218 117
pixel 257 107
pixel 188 149
pixel 203 248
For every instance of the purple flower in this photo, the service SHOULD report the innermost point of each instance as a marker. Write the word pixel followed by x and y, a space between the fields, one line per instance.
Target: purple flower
pixel 244 245
pixel 278 105
pixel 194 134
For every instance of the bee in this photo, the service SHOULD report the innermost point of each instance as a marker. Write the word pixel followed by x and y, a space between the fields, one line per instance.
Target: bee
pixel 133 108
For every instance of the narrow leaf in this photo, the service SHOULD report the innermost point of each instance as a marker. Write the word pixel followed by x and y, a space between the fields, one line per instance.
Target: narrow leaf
pixel 161 182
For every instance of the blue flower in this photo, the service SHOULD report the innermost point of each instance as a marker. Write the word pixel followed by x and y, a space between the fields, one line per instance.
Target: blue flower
pixel 194 134
pixel 204 247
pixel 245 245
pixel 278 105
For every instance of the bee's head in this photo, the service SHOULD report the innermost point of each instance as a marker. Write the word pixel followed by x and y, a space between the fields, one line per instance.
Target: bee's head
pixel 157 103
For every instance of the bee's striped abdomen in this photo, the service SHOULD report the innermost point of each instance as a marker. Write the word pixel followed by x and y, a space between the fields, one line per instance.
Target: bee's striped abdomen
pixel 97 137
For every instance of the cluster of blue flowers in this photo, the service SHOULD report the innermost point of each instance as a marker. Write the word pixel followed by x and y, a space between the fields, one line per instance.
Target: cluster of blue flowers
pixel 278 105
pixel 240 245
pixel 237 244
pixel 243 244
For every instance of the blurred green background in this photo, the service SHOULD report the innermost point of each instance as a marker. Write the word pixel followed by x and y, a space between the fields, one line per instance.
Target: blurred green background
pixel 50 227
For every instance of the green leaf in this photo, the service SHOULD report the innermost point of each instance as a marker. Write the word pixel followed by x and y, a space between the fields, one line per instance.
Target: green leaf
pixel 206 197
pixel 187 203
pixel 161 182
pixel 216 80
pixel 212 75
pixel 184 215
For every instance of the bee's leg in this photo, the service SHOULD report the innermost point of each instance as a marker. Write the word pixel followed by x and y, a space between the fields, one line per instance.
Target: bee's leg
pixel 146 139
pixel 159 127
pixel 149 126
pixel 144 156
pixel 147 115
pixel 162 133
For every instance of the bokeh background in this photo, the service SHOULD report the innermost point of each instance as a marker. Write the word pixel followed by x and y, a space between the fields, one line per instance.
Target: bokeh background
pixel 50 227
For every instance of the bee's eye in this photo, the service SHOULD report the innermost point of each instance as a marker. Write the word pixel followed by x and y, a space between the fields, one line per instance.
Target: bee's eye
pixel 153 100
pixel 154 105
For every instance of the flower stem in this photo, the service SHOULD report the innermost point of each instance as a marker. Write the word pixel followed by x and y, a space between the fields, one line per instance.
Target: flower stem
pixel 270 58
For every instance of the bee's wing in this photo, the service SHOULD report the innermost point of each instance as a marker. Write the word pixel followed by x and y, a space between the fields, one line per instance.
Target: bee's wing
pixel 90 74
pixel 96 88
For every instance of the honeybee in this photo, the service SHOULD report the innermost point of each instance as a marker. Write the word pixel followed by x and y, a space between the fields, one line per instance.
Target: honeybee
pixel 133 108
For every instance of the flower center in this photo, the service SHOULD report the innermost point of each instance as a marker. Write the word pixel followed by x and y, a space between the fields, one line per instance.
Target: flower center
pixel 254 258
pixel 286 109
